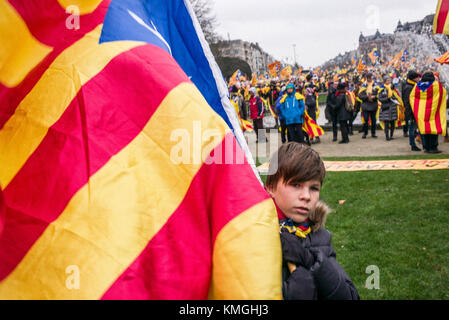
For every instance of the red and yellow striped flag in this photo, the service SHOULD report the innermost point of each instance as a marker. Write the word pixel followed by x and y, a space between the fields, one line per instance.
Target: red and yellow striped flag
pixel 90 185
pixel 247 125
pixel 2 212
pixel 268 106
pixel 444 59
pixel 440 20
pixel 429 107
pixel 311 127
pixel 352 96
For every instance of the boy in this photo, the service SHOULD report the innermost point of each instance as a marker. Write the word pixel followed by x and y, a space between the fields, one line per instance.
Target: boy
pixel 310 269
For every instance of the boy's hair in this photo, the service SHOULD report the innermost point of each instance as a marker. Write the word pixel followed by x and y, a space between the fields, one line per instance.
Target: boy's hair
pixel 296 163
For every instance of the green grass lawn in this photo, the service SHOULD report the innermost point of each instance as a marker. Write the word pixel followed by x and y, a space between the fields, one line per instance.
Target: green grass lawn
pixel 396 220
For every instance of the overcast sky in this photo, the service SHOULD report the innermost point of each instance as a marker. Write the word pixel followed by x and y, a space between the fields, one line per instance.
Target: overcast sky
pixel 320 28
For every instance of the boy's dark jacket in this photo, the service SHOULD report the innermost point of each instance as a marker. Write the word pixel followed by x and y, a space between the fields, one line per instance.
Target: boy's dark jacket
pixel 318 275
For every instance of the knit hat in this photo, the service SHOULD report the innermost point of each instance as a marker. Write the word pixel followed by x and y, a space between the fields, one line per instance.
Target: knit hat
pixel 290 85
pixel 253 90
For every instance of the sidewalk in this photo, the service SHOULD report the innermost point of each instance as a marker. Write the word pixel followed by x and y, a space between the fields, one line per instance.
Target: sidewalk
pixel 357 147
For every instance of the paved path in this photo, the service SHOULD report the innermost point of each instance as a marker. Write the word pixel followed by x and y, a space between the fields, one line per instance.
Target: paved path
pixel 357 147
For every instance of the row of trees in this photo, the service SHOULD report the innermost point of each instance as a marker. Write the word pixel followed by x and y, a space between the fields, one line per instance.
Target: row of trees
pixel 208 22
pixel 206 17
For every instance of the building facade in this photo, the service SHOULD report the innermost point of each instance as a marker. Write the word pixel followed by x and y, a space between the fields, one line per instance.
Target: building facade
pixel 247 51
pixel 387 44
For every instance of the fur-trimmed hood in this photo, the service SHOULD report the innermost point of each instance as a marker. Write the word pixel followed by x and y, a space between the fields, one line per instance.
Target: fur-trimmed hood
pixel 317 218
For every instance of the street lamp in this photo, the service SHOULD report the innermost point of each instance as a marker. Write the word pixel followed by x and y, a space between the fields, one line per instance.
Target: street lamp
pixel 294 53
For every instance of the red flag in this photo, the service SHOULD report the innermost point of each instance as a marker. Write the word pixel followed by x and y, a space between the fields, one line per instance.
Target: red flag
pixel 2 212
pixel 440 21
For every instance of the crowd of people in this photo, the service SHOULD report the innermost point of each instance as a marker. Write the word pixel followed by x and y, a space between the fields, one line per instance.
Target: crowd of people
pixel 378 96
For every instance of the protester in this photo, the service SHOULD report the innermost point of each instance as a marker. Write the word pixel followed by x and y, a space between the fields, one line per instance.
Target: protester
pixel 389 108
pixel 434 102
pixel 256 109
pixel 368 95
pixel 331 108
pixel 356 110
pixel 310 270
pixel 310 94
pixel 292 109
pixel 412 80
pixel 343 115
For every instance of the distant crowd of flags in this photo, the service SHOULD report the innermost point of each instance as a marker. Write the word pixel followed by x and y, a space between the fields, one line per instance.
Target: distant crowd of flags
pixel 274 71
pixel 440 26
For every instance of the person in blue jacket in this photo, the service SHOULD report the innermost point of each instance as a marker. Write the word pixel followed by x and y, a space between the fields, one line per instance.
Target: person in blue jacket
pixel 292 109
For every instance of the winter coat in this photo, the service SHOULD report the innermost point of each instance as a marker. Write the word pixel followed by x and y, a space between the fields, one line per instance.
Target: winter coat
pixel 358 102
pixel 331 103
pixel 407 88
pixel 388 108
pixel 309 94
pixel 366 104
pixel 292 108
pixel 278 106
pixel 340 107
pixel 318 276
pixel 256 107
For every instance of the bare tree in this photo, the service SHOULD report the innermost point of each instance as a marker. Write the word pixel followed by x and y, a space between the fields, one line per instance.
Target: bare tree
pixel 208 21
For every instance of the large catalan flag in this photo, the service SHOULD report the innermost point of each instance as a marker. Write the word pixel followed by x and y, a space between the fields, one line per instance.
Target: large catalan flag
pixel 440 20
pixel 428 102
pixel 117 175
pixel 2 212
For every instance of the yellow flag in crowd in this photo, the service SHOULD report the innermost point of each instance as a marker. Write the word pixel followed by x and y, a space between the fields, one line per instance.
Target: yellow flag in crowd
pixel 254 80
pixel 286 73
pixel 273 68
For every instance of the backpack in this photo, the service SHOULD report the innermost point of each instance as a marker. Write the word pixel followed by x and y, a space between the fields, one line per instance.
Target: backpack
pixel 348 104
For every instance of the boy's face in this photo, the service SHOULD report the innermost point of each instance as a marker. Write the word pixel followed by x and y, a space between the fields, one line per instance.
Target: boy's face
pixel 296 200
